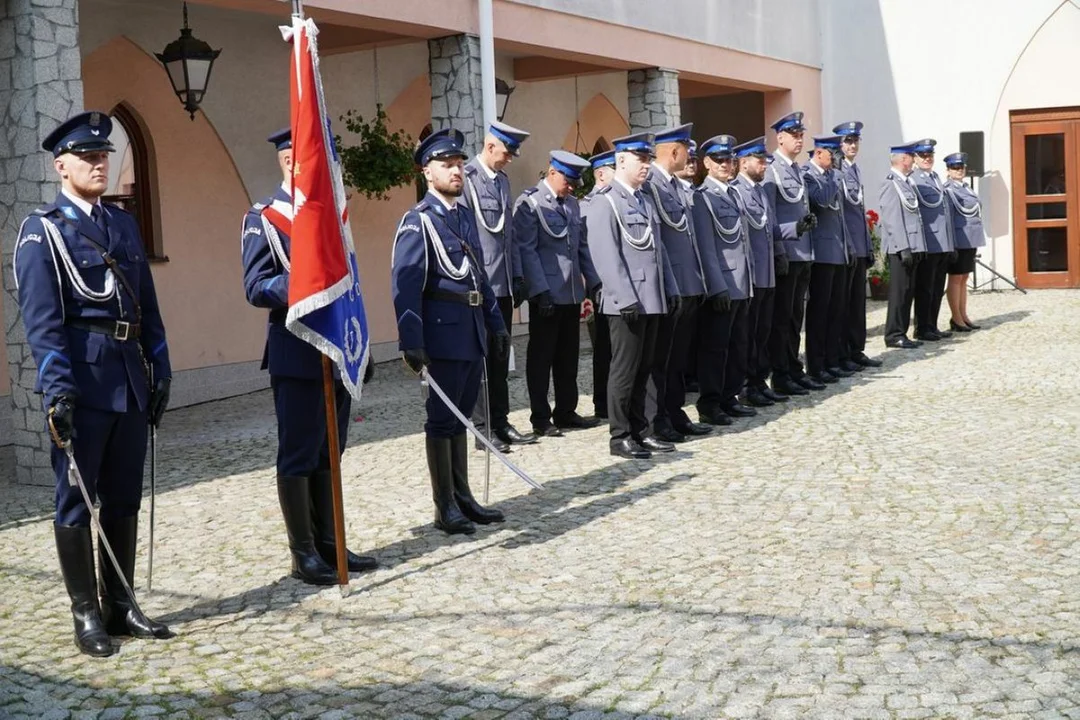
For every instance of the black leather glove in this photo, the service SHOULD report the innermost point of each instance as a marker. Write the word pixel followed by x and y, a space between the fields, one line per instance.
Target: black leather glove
pixel 906 258
pixel 954 256
pixel 501 345
pixel 519 290
pixel 544 306
pixel 159 400
pixel 781 265
pixel 801 226
pixel 416 359
pixel 61 420
pixel 721 302
pixel 919 256
pixel 630 315
pixel 852 259
pixel 594 295
pixel 370 371
pixel 674 305
pixel 812 219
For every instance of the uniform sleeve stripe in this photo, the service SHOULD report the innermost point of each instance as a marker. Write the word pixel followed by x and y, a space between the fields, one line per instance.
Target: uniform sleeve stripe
pixel 48 361
pixel 161 346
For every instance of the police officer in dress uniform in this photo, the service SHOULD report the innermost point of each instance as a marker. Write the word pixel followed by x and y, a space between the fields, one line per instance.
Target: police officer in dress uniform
pixel 666 393
pixel 940 247
pixel 92 321
pixel 968 234
pixel 296 379
pixel 903 241
pixel 549 232
pixel 832 256
pixel 789 206
pixel 487 193
pixel 638 289
pixel 721 227
pixel 853 325
pixel 446 315
pixel 767 254
pixel 603 167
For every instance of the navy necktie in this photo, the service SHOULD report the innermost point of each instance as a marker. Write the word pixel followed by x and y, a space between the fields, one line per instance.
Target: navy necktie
pixel 98 216
pixel 453 220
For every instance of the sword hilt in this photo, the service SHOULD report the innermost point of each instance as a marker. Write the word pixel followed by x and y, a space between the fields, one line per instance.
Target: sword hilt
pixel 53 432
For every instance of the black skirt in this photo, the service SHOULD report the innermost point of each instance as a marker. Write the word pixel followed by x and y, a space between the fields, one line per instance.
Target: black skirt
pixel 964 263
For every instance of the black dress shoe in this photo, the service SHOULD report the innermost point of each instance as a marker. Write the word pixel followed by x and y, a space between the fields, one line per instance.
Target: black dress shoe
pixel 549 431
pixel 903 343
pixel 693 429
pixel 774 395
pixel 510 434
pixel 865 361
pixel 851 366
pixel 943 333
pixel 959 328
pixel 824 378
pixel 789 387
pixel 500 445
pixel 629 449
pixel 715 418
pixel 837 371
pixel 575 421
pixel 738 410
pixel 669 435
pixel 927 336
pixel 754 397
pixel 811 383
pixel 653 444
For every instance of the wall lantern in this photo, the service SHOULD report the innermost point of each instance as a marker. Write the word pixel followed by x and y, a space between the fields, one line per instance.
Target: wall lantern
pixel 502 97
pixel 188 61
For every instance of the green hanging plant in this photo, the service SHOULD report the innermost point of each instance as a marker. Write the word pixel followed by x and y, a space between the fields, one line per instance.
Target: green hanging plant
pixel 588 180
pixel 382 160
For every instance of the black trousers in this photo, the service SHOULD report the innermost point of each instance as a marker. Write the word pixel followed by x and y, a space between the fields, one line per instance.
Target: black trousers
pixel 552 353
pixel 497 371
pixel 714 340
pixel 789 309
pixel 853 335
pixel 901 295
pixel 738 352
pixel 601 362
pixel 929 288
pixel 759 326
pixel 633 348
pixel 666 392
pixel 824 313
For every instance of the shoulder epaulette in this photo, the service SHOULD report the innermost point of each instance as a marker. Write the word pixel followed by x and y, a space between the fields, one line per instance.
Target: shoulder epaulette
pixel 422 206
pixel 114 206
pixel 605 189
pixel 530 190
pixel 46 209
pixel 470 169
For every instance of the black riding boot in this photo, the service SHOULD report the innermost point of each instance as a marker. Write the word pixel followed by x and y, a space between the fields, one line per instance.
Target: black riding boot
pixel 76 552
pixel 295 498
pixel 448 516
pixel 473 510
pixel 120 615
pixel 322 520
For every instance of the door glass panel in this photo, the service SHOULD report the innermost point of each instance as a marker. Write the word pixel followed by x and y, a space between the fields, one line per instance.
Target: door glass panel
pixel 1044 162
pixel 1048 249
pixel 1046 211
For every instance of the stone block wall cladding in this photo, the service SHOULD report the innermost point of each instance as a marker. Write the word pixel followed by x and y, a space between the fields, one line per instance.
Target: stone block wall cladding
pixel 457 96
pixel 653 96
pixel 40 87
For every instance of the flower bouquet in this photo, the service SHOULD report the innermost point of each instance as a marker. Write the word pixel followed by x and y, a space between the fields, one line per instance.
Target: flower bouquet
pixel 879 271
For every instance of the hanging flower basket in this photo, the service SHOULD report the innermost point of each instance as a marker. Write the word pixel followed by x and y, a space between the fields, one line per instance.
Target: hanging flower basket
pixel 381 161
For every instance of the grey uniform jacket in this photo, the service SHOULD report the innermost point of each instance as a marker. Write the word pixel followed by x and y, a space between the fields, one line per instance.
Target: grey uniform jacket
pixel 966 215
pixel 934 206
pixel 829 237
pixel 624 242
pixel 901 222
pixel 788 203
pixel 677 232
pixel 851 194
pixel 501 261
pixel 759 225
pixel 725 245
pixel 550 237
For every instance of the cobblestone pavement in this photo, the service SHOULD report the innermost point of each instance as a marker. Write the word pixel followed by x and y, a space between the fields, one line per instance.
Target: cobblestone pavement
pixel 902 545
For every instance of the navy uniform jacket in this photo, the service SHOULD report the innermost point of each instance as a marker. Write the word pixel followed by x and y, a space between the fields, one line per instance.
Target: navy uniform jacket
pixel 676 231
pixel 429 256
pixel 624 241
pixel 725 245
pixel 70 280
pixel 829 236
pixel 788 203
pixel 966 215
pixel 759 224
pixel 502 262
pixel 550 236
pixel 901 223
pixel 934 207
pixel 852 196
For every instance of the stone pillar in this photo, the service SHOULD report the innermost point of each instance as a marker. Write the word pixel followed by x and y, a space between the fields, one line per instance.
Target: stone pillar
pixel 40 87
pixel 653 95
pixel 457 96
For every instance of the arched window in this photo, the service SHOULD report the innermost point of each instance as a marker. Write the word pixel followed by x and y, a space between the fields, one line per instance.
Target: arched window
pixel 421 185
pixel 601 145
pixel 130 174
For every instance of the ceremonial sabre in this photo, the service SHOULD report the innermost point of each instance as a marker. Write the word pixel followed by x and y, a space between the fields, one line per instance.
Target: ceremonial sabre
pixel 430 382
pixel 153 498
pixel 487 426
